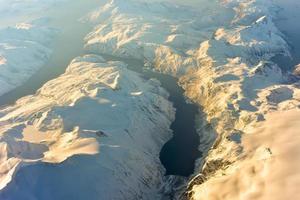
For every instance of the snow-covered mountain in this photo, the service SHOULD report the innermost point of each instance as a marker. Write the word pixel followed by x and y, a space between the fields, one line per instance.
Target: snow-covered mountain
pixel 98 128
pixel 221 54
pixel 98 108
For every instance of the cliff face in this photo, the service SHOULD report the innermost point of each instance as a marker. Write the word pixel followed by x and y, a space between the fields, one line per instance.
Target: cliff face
pixel 221 55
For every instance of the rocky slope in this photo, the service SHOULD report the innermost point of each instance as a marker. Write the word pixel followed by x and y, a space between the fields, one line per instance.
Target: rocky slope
pixel 98 108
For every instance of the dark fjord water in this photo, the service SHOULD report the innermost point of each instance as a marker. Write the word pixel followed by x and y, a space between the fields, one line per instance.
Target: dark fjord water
pixel 179 154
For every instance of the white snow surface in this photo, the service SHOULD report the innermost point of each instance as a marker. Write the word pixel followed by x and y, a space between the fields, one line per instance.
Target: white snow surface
pixel 97 108
pixel 24 49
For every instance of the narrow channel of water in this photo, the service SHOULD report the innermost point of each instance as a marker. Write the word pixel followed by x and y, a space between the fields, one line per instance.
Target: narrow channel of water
pixel 179 154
